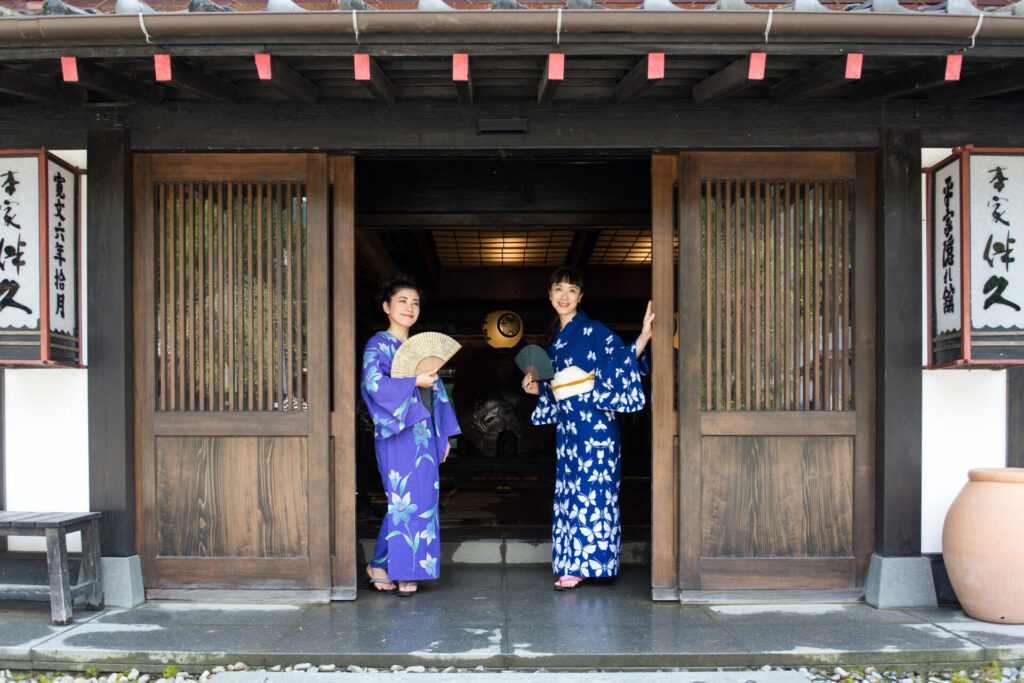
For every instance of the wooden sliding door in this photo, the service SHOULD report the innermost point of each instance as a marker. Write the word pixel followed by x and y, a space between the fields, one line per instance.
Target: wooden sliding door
pixel 232 373
pixel 776 370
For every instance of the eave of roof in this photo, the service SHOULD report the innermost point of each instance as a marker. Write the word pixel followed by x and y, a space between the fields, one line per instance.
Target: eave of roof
pixel 556 25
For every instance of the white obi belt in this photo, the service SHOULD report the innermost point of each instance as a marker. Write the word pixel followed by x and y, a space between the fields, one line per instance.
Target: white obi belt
pixel 572 381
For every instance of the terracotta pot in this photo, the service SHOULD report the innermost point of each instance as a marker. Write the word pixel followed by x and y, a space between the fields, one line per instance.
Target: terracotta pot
pixel 983 544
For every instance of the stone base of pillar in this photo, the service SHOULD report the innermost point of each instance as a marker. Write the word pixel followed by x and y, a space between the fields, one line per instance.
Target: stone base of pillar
pixel 900 582
pixel 122 581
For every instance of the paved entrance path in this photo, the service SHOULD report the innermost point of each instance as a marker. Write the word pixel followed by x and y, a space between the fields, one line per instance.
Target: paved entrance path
pixel 502 617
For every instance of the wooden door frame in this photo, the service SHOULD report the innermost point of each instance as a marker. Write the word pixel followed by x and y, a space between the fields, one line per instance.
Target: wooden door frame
pixel 664 420
pixel 313 424
pixel 689 360
pixel 345 368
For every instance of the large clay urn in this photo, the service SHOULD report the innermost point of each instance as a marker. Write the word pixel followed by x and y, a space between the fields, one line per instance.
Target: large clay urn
pixel 983 544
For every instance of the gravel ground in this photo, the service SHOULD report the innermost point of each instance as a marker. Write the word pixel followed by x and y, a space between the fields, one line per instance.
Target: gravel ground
pixel 990 673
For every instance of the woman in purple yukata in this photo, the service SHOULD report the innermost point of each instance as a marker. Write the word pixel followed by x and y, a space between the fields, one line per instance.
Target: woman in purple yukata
pixel 412 421
pixel 596 376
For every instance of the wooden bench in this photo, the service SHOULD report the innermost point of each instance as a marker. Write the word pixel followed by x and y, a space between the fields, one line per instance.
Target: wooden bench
pixel 56 526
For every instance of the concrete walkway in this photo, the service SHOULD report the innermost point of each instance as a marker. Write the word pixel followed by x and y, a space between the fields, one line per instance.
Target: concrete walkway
pixel 503 617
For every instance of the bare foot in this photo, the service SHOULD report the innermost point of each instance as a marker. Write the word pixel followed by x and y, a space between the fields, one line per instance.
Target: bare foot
pixel 378 579
pixel 407 588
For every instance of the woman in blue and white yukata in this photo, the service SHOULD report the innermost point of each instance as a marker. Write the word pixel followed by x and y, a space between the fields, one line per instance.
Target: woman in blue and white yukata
pixel 412 421
pixel 596 376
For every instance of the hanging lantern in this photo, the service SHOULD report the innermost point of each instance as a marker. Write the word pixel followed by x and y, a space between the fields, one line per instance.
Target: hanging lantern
pixel 503 329
pixel 39 260
pixel 975 214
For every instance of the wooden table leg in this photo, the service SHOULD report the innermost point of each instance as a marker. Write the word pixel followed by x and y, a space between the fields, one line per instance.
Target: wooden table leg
pixel 60 584
pixel 92 565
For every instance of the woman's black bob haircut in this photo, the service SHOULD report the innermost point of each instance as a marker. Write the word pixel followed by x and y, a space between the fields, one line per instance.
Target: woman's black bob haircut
pixel 391 286
pixel 566 274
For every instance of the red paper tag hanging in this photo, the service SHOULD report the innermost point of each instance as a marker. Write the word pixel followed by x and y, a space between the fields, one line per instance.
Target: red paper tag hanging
pixel 854 61
pixel 69 66
pixel 263 66
pixel 755 71
pixel 162 66
pixel 361 64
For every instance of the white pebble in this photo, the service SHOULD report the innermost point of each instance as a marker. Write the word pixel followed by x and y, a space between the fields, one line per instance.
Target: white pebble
pixel 416 669
pixel 327 668
pixel 841 671
pixel 353 669
pixel 396 668
pixel 304 666
pixel 218 670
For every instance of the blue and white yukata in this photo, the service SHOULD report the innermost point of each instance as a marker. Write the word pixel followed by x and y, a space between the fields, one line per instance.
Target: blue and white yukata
pixel 410 439
pixel 586 535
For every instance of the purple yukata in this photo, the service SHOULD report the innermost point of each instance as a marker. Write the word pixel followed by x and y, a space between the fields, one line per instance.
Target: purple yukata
pixel 410 438
pixel 586 534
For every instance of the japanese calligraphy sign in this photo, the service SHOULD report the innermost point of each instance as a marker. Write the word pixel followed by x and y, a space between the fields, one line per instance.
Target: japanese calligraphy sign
pixel 976 278
pixel 39 260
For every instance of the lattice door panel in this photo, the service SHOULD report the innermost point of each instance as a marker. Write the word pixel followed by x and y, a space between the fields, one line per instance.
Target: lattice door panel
pixel 231 298
pixel 777 271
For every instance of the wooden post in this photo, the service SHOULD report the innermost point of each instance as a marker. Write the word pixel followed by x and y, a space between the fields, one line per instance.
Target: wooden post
pixel 57 567
pixel 899 343
pixel 1014 417
pixel 664 475
pixel 110 341
pixel 345 363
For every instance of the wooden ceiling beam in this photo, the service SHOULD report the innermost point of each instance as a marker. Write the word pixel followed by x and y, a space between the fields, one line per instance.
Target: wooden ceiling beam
pixel 996 81
pixel 373 79
pixel 284 79
pixel 730 80
pixel 925 76
pixel 37 88
pixel 502 220
pixel 91 76
pixel 551 78
pixel 819 79
pixel 641 78
pixel 462 78
pixel 428 258
pixel 370 247
pixel 582 246
pixel 180 74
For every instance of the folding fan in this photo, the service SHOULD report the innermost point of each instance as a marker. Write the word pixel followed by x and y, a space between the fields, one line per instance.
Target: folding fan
pixel 423 352
pixel 533 359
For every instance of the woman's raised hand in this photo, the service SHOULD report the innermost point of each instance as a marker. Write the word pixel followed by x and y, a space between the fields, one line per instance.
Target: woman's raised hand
pixel 427 379
pixel 645 329
pixel 529 386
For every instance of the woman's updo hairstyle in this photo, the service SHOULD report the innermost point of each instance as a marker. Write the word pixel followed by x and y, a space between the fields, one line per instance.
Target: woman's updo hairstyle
pixel 568 275
pixel 391 287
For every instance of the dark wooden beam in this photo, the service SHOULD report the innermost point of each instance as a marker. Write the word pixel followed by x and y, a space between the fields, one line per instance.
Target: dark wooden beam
pixel 723 83
pixel 604 129
pixel 116 86
pixel 551 78
pixel 37 88
pixel 1015 417
pixel 898 349
pixel 373 79
pixel 109 308
pixel 428 258
pixel 502 220
pixel 817 80
pixel 185 76
pixel 984 84
pixel 641 78
pixel 370 248
pixel 583 243
pixel 284 79
pixel 462 78
pixel 930 74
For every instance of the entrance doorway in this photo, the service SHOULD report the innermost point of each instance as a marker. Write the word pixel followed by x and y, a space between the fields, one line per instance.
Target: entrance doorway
pixel 482 236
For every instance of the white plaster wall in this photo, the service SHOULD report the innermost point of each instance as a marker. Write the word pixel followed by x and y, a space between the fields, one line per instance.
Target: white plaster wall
pixel 46 449
pixel 963 422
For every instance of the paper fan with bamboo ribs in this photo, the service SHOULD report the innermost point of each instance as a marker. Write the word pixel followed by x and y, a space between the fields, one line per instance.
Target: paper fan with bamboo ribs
pixel 534 360
pixel 423 352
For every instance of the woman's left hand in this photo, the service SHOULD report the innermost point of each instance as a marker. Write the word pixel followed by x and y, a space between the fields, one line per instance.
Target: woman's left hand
pixel 645 330
pixel 447 450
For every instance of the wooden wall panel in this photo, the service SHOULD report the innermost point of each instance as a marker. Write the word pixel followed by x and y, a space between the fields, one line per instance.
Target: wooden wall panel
pixel 776 497
pixel 232 497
